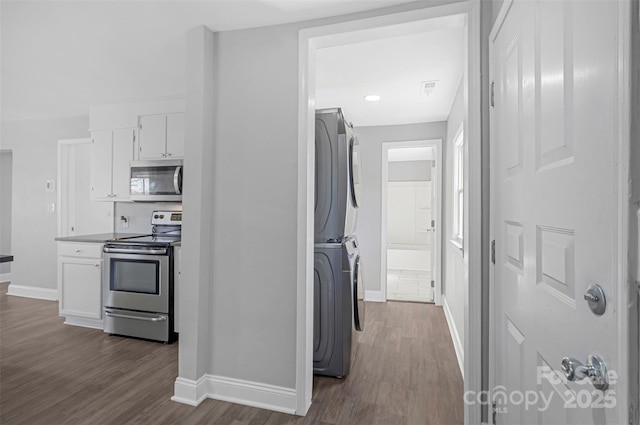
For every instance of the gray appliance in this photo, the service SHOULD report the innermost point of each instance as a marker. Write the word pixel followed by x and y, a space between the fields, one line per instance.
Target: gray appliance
pixel 337 182
pixel 338 290
pixel 138 281
pixel 156 180
pixel 338 305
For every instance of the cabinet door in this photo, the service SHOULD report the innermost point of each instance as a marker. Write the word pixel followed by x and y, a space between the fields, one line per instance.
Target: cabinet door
pixel 101 166
pixel 153 137
pixel 175 135
pixel 122 156
pixel 80 283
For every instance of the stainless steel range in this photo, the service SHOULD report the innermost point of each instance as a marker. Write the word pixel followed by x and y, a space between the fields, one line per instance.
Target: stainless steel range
pixel 138 286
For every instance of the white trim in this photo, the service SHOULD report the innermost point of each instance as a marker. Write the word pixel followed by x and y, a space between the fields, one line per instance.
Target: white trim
pixel 305 222
pixel 455 336
pixel 473 210
pixel 374 296
pixel 437 177
pixel 255 394
pixel 625 289
pixel 5 277
pixel 339 34
pixel 33 292
pixel 458 162
pixel 85 322
pixel 188 391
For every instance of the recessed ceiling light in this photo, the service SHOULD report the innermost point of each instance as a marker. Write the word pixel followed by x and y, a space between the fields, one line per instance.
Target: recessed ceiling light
pixel 372 98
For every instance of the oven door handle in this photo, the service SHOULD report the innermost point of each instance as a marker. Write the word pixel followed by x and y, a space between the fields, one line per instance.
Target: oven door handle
pixel 126 316
pixel 150 251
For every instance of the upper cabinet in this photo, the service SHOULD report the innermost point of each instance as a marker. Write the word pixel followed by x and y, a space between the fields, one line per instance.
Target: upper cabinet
pixel 161 136
pixel 111 152
pixel 124 132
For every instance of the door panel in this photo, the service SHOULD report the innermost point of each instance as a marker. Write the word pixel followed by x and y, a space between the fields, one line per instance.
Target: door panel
pixel 324 181
pixel 101 160
pixel 324 299
pixel 153 136
pixel 122 156
pixel 175 135
pixel 554 217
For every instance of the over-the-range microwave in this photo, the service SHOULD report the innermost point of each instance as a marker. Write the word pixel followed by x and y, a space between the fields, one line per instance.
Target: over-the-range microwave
pixel 156 181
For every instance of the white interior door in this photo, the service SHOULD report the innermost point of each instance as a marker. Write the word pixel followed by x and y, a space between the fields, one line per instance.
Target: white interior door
pixel 78 214
pixel 555 198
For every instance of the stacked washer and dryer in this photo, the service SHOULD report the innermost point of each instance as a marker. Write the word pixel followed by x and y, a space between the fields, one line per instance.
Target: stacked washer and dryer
pixel 338 285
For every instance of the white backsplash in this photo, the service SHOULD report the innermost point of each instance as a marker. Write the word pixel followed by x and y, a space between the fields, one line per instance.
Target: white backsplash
pixel 139 215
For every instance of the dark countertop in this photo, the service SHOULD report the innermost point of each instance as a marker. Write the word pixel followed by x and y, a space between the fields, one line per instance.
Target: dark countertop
pixel 100 237
pixel 6 258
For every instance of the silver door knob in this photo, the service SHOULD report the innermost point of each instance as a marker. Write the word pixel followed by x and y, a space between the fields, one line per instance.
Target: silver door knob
pixel 595 370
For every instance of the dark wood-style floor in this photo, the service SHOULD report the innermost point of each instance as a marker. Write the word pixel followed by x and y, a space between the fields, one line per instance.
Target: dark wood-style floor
pixel 405 372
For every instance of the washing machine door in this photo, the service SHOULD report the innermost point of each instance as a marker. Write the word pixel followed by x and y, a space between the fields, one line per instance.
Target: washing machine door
pixel 355 177
pixel 358 296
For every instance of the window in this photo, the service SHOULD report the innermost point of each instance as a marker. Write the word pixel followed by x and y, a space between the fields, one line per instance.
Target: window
pixel 458 189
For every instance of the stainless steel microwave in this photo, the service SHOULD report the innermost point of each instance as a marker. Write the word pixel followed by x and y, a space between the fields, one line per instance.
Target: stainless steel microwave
pixel 156 181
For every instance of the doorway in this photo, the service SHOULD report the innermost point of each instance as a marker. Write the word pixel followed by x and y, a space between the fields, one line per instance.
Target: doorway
pixel 354 32
pixel 6 172
pixel 77 214
pixel 411 215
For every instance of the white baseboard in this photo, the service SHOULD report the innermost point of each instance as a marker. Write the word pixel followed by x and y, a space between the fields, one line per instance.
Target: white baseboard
pixel 187 391
pixel 33 292
pixel 5 277
pixel 455 336
pixel 248 393
pixel 374 296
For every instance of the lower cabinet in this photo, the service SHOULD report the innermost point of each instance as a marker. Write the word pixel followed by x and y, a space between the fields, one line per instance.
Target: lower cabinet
pixel 80 283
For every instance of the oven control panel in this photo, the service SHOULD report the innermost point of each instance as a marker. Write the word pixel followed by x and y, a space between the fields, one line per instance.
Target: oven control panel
pixel 166 218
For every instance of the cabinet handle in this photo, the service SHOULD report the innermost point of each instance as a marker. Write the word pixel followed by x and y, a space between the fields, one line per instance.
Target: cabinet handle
pixel 96 265
pixel 77 250
pixel 168 154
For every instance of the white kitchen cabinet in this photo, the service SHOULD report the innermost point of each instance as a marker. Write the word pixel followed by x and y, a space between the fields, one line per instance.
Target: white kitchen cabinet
pixel 80 283
pixel 111 152
pixel 161 136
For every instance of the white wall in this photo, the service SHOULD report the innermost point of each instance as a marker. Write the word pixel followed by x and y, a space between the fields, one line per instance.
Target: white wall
pixel 139 215
pixel 634 212
pixel 368 227
pixel 253 281
pixel 254 269
pixel 5 208
pixel 34 146
pixel 455 276
pixel 405 171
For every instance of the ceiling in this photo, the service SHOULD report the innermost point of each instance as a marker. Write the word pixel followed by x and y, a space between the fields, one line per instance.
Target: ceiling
pixel 58 57
pixel 394 68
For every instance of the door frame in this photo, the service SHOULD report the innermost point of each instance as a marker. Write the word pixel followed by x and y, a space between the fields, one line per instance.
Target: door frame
pixel 350 32
pixel 624 291
pixel 437 237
